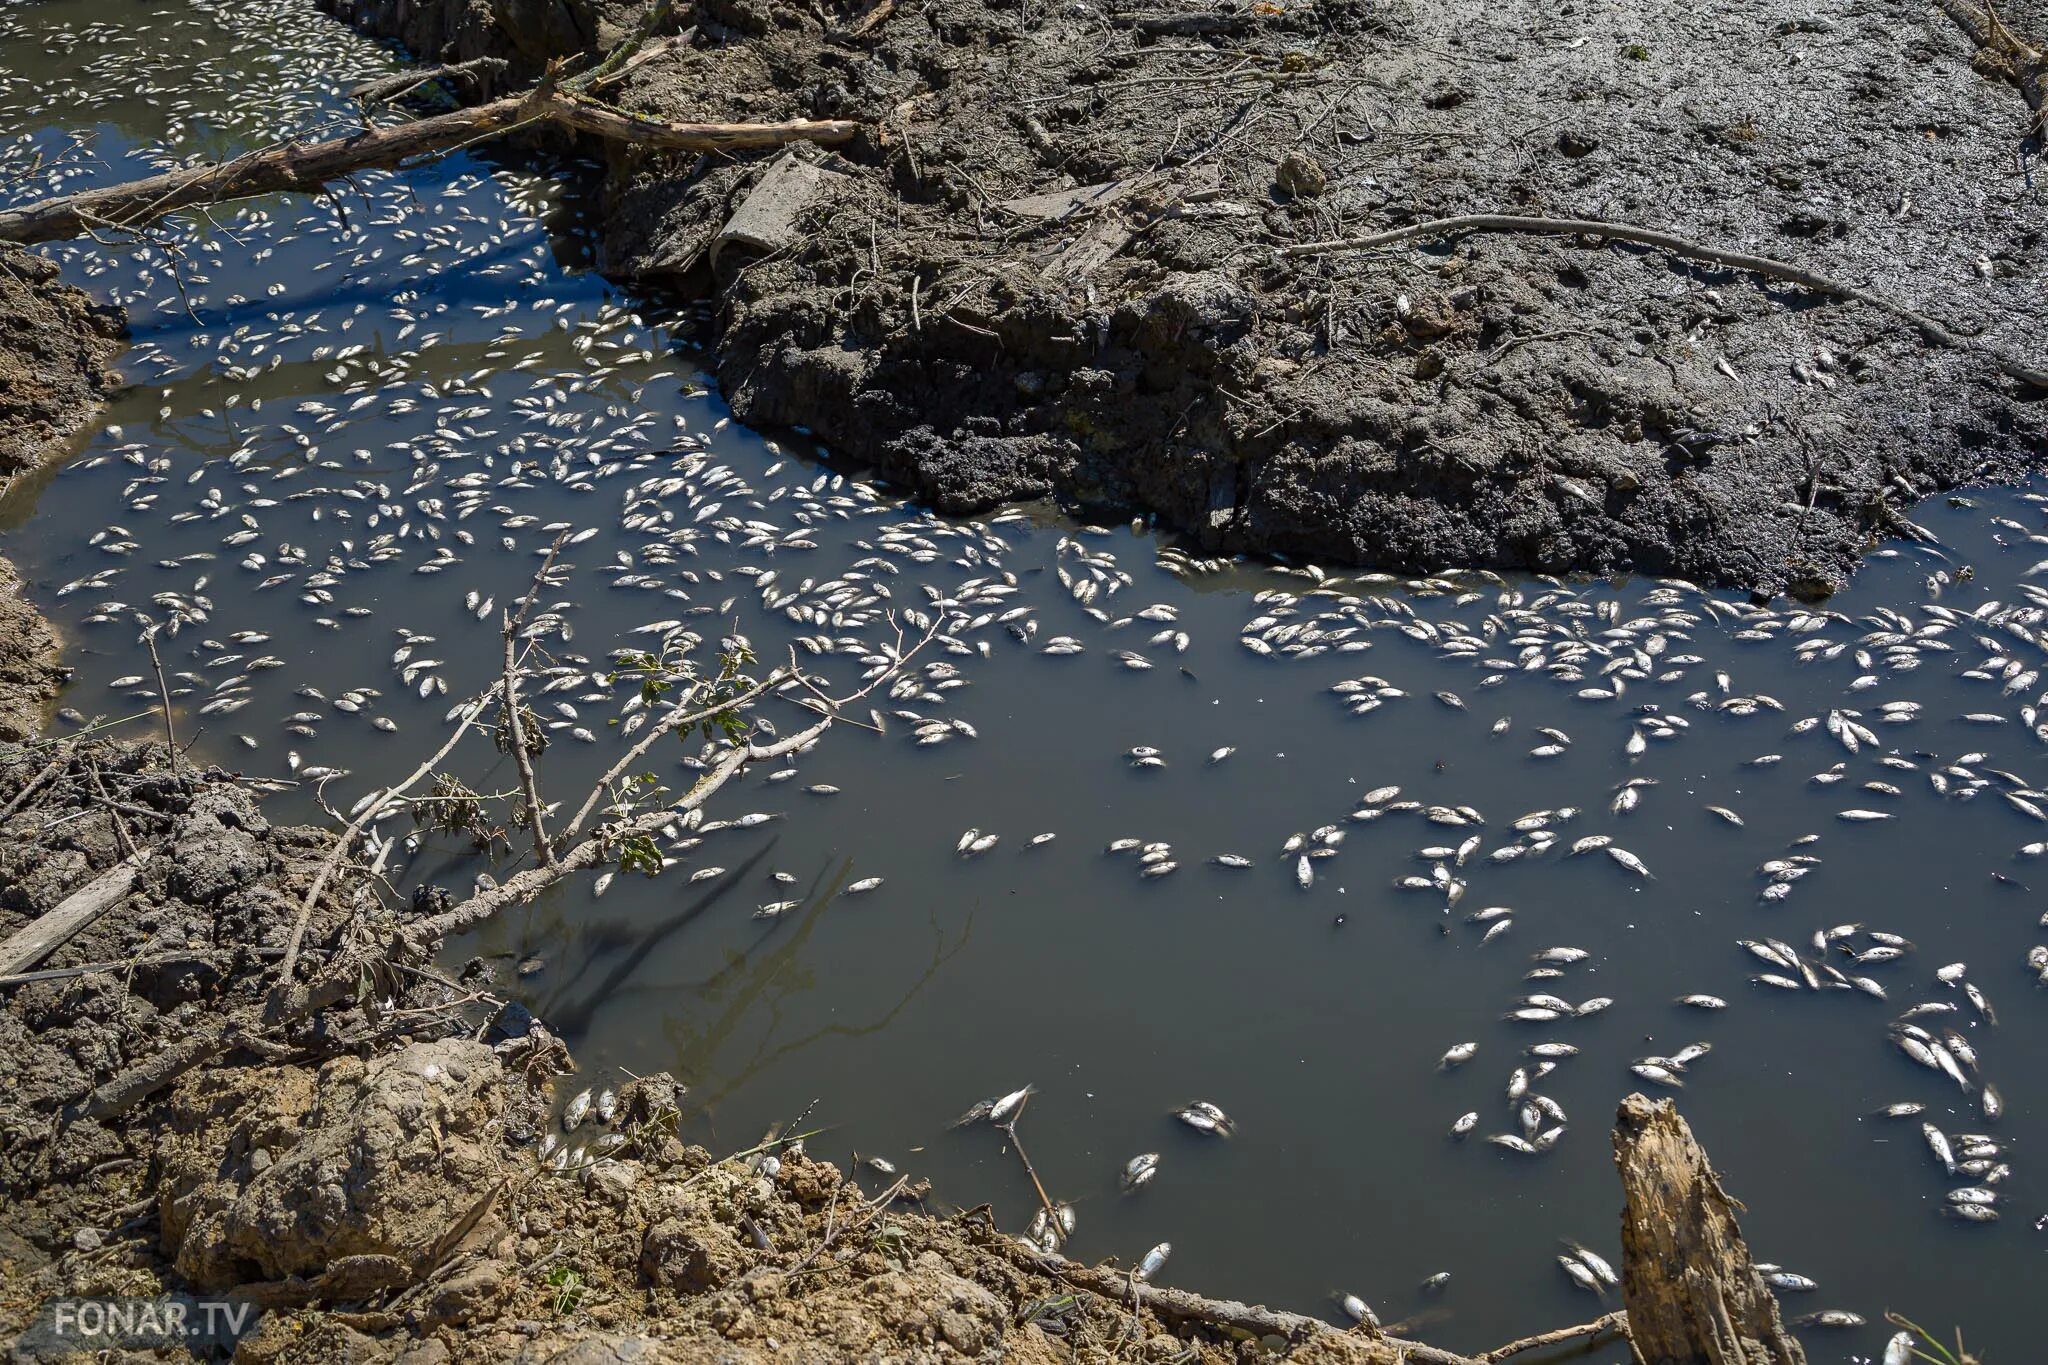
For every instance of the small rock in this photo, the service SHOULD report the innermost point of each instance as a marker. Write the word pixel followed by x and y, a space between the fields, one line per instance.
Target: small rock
pixel 1300 176
pixel 88 1239
pixel 614 1179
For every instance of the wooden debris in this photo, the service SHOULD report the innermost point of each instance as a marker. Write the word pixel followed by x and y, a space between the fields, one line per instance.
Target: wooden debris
pixel 296 166
pixel 51 930
pixel 1694 1295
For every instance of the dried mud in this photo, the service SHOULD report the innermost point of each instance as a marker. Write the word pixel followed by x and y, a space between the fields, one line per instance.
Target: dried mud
pixel 1546 403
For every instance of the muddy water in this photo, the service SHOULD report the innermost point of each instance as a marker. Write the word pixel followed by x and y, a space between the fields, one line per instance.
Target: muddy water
pixel 494 367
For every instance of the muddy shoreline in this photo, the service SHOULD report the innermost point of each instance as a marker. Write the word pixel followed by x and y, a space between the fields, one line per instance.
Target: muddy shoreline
pixel 57 351
pixel 939 300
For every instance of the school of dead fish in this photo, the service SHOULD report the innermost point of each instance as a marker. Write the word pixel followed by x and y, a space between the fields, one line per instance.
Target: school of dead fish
pixel 319 452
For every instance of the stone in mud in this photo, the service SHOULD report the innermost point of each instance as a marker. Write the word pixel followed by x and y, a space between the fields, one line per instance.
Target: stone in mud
pixel 1300 176
pixel 768 218
pixel 691 1253
pixel 378 1159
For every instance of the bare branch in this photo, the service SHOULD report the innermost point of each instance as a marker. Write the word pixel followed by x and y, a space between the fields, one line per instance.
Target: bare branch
pixel 376 804
pixel 1611 1322
pixel 162 690
pixel 291 166
pixel 515 728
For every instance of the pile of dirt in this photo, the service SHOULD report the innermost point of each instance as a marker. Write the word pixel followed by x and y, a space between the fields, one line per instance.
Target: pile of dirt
pixel 941 304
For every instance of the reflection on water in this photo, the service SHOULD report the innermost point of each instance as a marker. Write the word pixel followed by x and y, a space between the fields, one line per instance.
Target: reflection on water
pixel 350 431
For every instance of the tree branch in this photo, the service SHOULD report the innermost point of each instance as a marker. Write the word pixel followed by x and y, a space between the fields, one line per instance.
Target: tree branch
pixel 1611 1322
pixel 516 731
pixel 291 166
pixel 371 809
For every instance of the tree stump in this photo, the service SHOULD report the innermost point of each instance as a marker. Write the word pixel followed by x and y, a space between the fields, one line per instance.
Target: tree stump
pixel 1694 1296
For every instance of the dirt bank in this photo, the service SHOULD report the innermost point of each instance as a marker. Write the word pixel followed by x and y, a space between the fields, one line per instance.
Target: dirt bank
pixel 57 349
pixel 56 352
pixel 937 304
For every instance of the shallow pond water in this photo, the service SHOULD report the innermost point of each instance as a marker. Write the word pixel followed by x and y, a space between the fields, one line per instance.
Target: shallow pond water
pixel 355 422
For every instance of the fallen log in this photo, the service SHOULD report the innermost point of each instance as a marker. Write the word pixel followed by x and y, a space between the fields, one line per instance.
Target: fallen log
pixel 294 166
pixel 52 929
pixel 1694 1295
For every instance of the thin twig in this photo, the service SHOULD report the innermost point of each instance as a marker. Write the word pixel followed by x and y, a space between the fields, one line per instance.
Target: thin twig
pixel 1044 1199
pixel 163 690
pixel 529 786
pixel 370 811
pixel 1612 1322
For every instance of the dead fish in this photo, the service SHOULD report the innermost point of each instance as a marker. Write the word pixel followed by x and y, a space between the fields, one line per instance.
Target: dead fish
pixel 577 1110
pixel 1602 1271
pixel 1628 860
pixel 1153 1261
pixel 1578 1273
pixel 1140 1169
pixel 1205 1117
pixel 1005 1109
pixel 1458 1055
pixel 1937 1142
